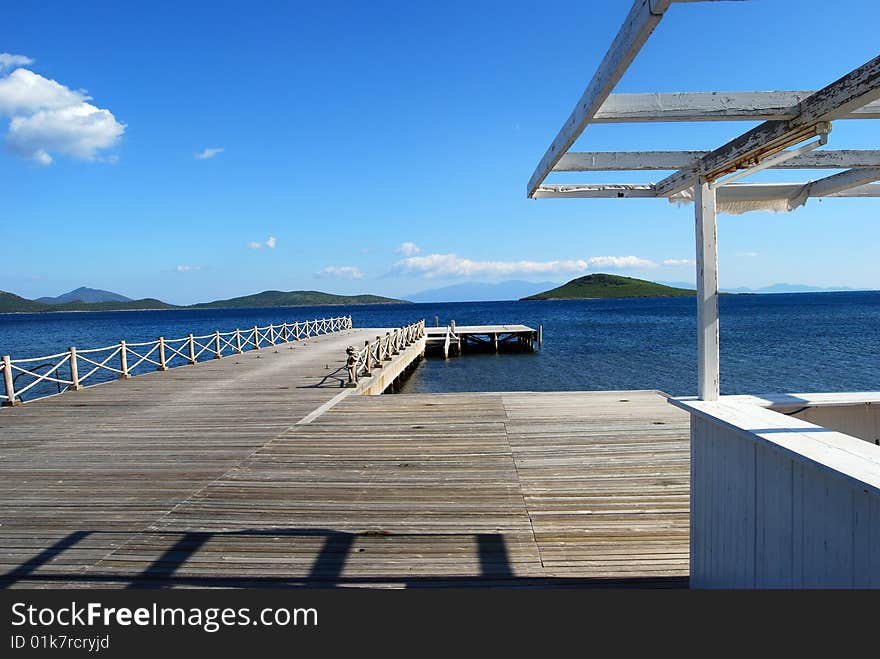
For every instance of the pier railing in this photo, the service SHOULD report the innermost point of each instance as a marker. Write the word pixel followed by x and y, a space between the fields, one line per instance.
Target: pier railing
pixel 75 368
pixel 382 349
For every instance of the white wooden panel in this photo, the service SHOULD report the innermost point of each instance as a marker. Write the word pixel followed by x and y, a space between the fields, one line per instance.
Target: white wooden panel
pixel 773 520
pixel 769 513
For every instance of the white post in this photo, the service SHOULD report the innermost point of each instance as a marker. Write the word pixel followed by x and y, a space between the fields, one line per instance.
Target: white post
pixel 8 382
pixel 74 370
pixel 707 291
pixel 237 341
pixel 217 354
pixel 256 338
pixel 162 366
pixel 192 349
pixel 123 362
pixel 272 334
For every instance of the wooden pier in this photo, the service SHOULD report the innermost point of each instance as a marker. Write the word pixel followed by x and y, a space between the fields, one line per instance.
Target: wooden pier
pixel 457 339
pixel 265 469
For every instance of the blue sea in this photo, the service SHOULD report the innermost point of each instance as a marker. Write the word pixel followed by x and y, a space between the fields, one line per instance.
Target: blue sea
pixel 769 343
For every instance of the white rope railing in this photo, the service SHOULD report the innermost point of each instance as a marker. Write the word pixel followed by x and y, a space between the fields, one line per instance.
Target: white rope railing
pixel 360 363
pixel 123 359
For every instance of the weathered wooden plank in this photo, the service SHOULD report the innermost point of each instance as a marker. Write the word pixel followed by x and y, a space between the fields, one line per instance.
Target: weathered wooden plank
pixel 713 106
pixel 664 160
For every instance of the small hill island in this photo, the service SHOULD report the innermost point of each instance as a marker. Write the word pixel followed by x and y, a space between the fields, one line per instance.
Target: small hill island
pixel 601 285
pixel 107 301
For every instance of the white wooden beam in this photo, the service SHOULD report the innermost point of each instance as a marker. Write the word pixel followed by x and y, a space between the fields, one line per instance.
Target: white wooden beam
pixel 733 192
pixel 853 90
pixel 600 191
pixel 712 106
pixel 644 16
pixel 608 161
pixel 708 349
pixel 852 178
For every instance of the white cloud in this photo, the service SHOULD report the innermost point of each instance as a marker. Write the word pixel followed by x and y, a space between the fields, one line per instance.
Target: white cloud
pixel 408 249
pixel 748 254
pixel 676 262
pixel 46 117
pixel 341 272
pixel 8 61
pixel 209 152
pixel 450 265
pixel 271 241
pixel 188 268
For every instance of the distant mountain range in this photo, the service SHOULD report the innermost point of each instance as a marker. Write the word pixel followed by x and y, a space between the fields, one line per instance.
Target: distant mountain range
pixel 481 292
pixel 601 285
pixel 91 299
pixel 774 288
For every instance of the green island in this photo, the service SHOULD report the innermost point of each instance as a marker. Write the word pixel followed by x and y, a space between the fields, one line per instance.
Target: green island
pixel 601 285
pixel 11 303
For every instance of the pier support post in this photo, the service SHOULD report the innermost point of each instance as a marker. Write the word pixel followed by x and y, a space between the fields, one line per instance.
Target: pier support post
pixel 540 335
pixel 123 361
pixel 74 371
pixel 8 383
pixel 708 348
pixel 162 366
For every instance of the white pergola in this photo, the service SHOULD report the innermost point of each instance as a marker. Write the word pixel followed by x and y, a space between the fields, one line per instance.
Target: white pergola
pixel 795 124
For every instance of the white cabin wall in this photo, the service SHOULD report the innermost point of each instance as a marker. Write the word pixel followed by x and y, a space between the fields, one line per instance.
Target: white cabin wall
pixel 862 421
pixel 761 518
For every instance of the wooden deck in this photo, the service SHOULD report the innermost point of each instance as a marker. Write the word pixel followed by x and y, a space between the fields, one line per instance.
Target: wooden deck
pixel 209 480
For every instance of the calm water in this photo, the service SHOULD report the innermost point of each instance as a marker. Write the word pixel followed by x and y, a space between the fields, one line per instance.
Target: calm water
pixel 785 342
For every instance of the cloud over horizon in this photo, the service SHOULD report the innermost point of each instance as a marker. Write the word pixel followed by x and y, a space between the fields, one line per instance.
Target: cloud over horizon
pixel 209 152
pixel 450 265
pixel 408 249
pixel 8 61
pixel 270 243
pixel 678 262
pixel 341 272
pixel 49 118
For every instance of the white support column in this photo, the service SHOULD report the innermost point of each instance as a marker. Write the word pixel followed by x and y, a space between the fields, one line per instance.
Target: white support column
pixel 707 291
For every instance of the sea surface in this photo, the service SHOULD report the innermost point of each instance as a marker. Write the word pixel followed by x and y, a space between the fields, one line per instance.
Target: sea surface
pixel 801 342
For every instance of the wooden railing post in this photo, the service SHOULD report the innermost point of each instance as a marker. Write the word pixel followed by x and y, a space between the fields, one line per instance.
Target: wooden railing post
pixel 351 365
pixel 8 383
pixel 74 370
pixel 388 351
pixel 217 354
pixel 256 338
pixel 379 353
pixel 272 334
pixel 368 365
pixel 123 361
pixel 296 331
pixel 162 365
pixel 192 349
pixel 285 336
pixel 237 341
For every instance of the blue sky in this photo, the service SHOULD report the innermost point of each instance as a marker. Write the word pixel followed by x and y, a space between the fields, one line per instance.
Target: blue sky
pixel 340 140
